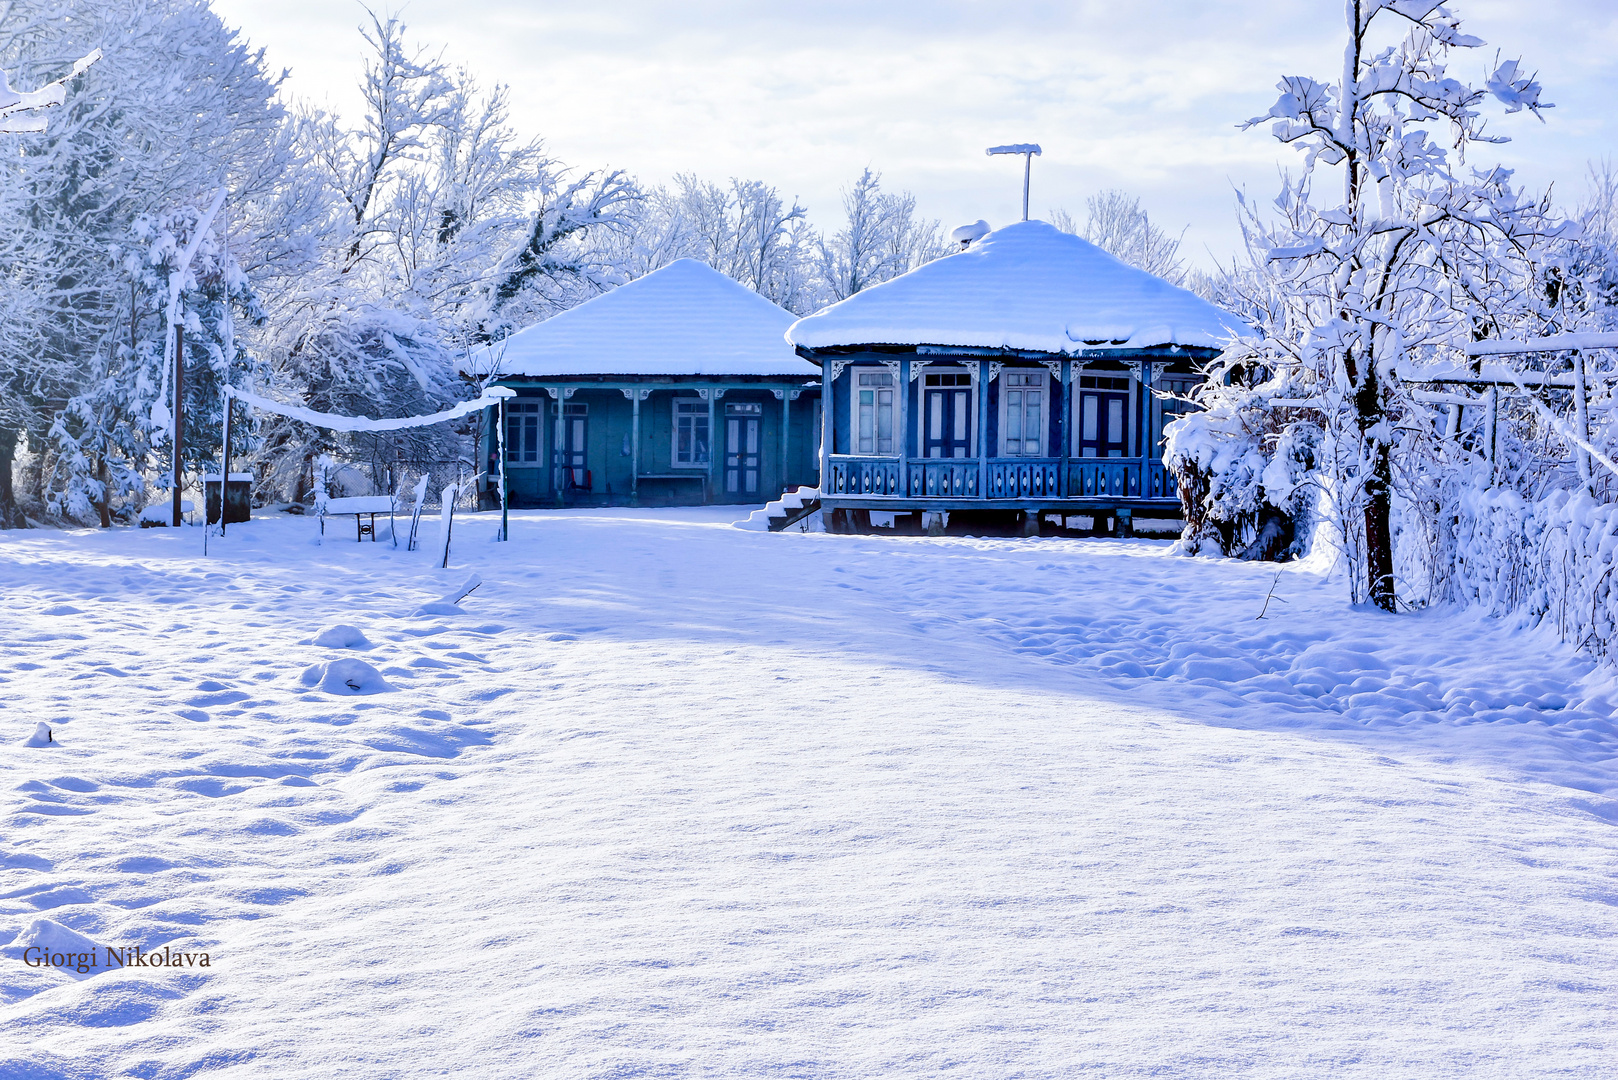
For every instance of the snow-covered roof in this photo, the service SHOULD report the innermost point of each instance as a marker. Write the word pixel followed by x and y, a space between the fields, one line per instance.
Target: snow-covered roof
pixel 684 319
pixel 1025 286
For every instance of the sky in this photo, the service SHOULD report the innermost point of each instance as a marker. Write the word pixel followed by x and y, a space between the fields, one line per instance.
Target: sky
pixel 1146 98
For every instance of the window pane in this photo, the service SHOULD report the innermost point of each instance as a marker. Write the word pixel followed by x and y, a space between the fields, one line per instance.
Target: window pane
pixel 1090 416
pixel 1014 419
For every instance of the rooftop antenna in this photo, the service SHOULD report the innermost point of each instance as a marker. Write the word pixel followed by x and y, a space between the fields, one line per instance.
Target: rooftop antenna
pixel 1027 150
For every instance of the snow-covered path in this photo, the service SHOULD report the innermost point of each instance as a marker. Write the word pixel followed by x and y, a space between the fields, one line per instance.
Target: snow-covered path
pixel 673 799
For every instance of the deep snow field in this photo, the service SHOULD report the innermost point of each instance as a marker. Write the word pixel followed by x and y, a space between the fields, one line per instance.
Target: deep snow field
pixel 674 799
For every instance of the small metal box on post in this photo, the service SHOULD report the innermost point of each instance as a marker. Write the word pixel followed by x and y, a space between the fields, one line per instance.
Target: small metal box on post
pixel 238 498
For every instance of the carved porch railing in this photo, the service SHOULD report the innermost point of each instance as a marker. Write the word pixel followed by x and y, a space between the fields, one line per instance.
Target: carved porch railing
pixel 949 478
pixel 1019 479
pixel 1024 478
pixel 862 476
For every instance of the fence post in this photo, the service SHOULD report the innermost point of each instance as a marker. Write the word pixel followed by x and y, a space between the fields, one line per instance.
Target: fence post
pixel 1491 413
pixel 1581 416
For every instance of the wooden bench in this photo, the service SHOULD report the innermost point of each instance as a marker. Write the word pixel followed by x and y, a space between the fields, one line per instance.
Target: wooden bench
pixel 700 478
pixel 361 506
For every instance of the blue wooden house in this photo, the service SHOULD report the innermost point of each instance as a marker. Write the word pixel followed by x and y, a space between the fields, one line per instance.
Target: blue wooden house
pixel 1022 381
pixel 678 388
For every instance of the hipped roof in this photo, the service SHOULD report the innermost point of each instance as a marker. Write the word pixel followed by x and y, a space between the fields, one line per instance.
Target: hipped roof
pixel 1027 286
pixel 683 319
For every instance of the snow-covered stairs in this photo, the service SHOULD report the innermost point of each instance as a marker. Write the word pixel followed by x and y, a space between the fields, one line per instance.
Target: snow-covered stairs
pixel 789 509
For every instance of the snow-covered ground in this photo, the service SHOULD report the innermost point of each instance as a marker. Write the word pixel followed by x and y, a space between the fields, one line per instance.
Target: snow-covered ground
pixel 675 799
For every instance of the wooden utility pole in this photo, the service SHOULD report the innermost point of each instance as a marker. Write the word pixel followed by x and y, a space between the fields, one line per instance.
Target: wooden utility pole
pixel 179 416
pixel 224 466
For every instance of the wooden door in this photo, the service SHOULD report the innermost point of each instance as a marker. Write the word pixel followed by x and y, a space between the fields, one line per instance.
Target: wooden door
pixel 742 448
pixel 948 422
pixel 1103 424
pixel 571 470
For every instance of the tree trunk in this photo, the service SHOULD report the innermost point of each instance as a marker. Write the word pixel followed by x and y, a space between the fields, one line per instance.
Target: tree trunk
pixel 10 516
pixel 1378 492
pixel 1379 530
pixel 103 504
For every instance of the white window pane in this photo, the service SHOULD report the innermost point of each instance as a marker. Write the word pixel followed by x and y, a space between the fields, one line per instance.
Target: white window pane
pixel 935 416
pixel 1090 417
pixel 1014 417
pixel 960 418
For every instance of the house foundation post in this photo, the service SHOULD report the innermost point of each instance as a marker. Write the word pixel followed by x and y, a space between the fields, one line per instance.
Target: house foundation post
pixel 1064 428
pixel 983 429
pixel 634 445
pixel 786 424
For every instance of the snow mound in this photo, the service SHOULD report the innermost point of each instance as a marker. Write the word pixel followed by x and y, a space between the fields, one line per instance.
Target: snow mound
pixel 162 513
pixel 41 735
pixel 53 937
pixel 341 636
pixel 449 603
pixel 346 677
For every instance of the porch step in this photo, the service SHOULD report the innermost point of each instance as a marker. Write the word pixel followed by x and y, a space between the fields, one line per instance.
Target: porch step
pixel 784 512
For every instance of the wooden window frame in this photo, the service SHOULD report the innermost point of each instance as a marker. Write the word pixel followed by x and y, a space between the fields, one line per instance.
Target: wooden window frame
pixel 674 434
pixel 1043 386
pixel 516 411
pixel 892 386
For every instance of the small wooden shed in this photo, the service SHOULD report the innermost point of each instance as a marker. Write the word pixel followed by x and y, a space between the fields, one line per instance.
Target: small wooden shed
pixel 678 388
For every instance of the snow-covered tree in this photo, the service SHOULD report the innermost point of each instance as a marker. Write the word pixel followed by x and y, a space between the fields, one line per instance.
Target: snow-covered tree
pixel 1115 222
pixel 1421 254
pixel 435 226
pixel 176 105
pixel 106 438
pixel 745 229
pixel 881 238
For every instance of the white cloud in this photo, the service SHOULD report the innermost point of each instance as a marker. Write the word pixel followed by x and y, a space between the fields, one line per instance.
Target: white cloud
pixel 1144 97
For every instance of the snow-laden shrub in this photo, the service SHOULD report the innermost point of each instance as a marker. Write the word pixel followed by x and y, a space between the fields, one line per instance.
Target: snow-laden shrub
pixel 1549 561
pixel 1244 478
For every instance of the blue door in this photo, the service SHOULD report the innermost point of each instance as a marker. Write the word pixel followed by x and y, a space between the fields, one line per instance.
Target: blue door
pixel 1103 424
pixel 947 415
pixel 571 473
pixel 742 421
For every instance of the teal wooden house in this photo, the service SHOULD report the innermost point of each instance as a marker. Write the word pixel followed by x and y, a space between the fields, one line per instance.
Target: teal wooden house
pixel 678 388
pixel 1024 380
